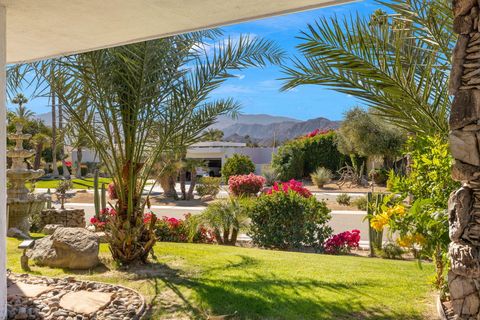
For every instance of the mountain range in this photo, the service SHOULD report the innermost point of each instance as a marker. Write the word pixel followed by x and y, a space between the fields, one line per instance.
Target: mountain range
pixel 261 129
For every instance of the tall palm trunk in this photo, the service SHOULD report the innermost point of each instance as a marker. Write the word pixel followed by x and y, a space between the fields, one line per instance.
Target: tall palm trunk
pixel 183 179
pixel 66 172
pixel 79 162
pixel 54 134
pixel 193 182
pixel 168 185
pixel 38 155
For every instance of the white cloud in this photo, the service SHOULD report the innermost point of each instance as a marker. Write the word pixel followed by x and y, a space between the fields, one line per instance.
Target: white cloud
pixel 229 89
pixel 239 76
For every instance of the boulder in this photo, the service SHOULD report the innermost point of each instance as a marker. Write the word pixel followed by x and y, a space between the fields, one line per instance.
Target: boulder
pixel 50 228
pixel 463 145
pixel 72 248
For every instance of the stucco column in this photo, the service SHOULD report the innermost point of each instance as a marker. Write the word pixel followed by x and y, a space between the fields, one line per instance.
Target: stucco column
pixel 3 165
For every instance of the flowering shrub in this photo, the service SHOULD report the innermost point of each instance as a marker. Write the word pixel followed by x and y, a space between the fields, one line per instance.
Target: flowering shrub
pixel 178 230
pixel 245 184
pixel 379 221
pixel 68 164
pixel 293 185
pixel 285 219
pixel 343 242
pixel 101 221
pixel 317 132
pixel 112 192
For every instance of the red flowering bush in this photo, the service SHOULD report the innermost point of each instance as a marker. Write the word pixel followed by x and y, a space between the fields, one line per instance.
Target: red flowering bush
pixel 68 164
pixel 293 185
pixel 112 191
pixel 178 230
pixel 317 132
pixel 101 221
pixel 245 184
pixel 343 242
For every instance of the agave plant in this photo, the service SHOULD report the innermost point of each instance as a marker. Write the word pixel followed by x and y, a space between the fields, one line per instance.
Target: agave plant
pixel 398 63
pixel 132 103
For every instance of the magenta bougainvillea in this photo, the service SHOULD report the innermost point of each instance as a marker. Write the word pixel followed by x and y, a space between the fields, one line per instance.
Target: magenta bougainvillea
pixel 245 184
pixel 343 242
pixel 101 221
pixel 293 185
pixel 177 230
pixel 317 132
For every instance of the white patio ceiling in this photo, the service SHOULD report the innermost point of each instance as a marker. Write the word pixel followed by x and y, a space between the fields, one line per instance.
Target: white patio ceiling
pixel 38 29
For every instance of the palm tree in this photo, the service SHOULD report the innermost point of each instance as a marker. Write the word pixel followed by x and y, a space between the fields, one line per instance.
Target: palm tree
pixel 41 141
pixel 192 165
pixel 53 98
pixel 212 135
pixel 139 97
pixel 21 112
pixel 397 64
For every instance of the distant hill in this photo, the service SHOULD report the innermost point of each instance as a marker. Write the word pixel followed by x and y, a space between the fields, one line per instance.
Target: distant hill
pixel 262 129
pixel 280 132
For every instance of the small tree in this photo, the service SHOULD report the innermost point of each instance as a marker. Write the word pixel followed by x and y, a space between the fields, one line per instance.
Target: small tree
pixel 238 164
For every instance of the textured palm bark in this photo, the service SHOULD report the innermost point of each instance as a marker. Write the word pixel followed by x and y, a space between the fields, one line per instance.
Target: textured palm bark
pixel 464 204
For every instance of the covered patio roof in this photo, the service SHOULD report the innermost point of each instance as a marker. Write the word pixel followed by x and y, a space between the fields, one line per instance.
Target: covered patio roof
pixel 38 29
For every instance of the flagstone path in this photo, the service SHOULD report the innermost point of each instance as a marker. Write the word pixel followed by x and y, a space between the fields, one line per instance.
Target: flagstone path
pixel 30 297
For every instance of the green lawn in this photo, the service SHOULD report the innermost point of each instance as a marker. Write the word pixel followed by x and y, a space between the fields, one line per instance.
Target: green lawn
pixel 85 183
pixel 197 281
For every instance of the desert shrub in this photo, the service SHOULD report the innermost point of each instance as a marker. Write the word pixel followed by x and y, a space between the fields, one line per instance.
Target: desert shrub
pixel 225 218
pixel 300 157
pixel 245 185
pixel 208 186
pixel 344 199
pixel 179 230
pixel 287 220
pixel 361 203
pixel 271 176
pixel 321 176
pixel 342 243
pixel 379 176
pixel 238 164
pixel 292 185
pixel 390 251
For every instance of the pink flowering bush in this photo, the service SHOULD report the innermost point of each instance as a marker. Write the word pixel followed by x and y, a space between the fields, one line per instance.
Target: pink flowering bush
pixel 317 132
pixel 178 230
pixel 247 185
pixel 101 221
pixel 343 242
pixel 293 185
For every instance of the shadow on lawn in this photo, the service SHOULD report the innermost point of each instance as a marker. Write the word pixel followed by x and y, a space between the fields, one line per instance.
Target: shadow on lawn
pixel 259 296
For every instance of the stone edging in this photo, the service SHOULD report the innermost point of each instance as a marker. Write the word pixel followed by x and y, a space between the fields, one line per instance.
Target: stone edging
pixel 46 305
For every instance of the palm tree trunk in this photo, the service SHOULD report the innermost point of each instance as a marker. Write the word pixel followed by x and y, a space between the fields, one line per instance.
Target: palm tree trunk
pixel 168 186
pixel 79 162
pixel 38 156
pixel 183 178
pixel 233 237
pixel 193 182
pixel 66 172
pixel 54 135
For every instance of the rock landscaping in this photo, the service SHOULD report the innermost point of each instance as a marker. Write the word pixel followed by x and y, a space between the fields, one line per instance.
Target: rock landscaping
pixel 73 248
pixel 74 218
pixel 31 297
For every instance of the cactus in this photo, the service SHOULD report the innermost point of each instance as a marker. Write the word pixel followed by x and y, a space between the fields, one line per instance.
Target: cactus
pixel 104 197
pixel 374 201
pixel 96 195
pixel 49 199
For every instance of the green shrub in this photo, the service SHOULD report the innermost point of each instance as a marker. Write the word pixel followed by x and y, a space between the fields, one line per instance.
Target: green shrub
pixel 379 176
pixel 344 199
pixel 238 164
pixel 321 176
pixel 287 220
pixel 270 176
pixel 208 186
pixel 300 157
pixel 225 218
pixel 390 251
pixel 361 203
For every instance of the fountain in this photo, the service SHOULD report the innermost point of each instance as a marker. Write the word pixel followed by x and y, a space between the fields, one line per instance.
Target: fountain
pixel 21 203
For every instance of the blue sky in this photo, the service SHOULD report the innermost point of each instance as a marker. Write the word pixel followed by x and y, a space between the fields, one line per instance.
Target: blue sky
pixel 258 89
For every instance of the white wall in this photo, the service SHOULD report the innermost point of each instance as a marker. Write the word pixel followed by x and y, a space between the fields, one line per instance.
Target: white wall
pixel 3 168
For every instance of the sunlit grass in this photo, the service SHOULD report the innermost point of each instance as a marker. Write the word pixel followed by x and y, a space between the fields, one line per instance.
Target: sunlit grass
pixel 195 281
